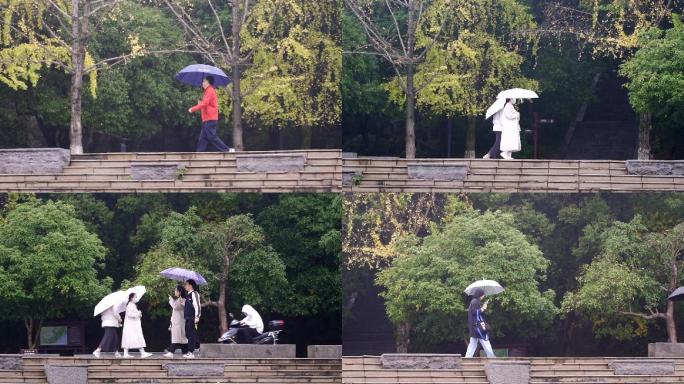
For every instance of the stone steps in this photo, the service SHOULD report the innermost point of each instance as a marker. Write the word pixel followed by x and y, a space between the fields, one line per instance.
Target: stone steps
pixel 285 171
pixel 392 175
pixel 151 370
pixel 368 369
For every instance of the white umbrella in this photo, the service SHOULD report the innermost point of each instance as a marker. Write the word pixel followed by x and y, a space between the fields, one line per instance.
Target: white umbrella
pixel 490 287
pixel 113 299
pixel 517 93
pixel 498 105
pixel 139 291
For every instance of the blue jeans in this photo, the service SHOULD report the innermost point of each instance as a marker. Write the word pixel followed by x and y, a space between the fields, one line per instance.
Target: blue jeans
pixel 208 135
pixel 486 345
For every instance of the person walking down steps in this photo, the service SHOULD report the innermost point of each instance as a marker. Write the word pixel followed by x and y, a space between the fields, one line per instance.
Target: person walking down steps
pixel 208 107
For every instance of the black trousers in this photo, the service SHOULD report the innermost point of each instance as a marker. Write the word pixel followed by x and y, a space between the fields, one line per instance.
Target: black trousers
pixel 209 135
pixel 191 334
pixel 183 347
pixel 495 151
pixel 245 335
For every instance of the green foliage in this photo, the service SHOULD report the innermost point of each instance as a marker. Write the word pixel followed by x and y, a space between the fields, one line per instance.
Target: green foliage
pixel 631 276
pixel 424 285
pixel 49 263
pixel 656 72
pixel 305 229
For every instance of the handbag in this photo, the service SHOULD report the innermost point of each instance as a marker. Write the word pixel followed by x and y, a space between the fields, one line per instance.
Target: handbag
pixel 482 325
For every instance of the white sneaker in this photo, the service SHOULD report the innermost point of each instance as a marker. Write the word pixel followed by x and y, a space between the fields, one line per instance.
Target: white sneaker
pixel 117 355
pixel 145 354
pixel 189 355
pixel 96 353
pixel 127 356
pixel 169 355
pixel 486 156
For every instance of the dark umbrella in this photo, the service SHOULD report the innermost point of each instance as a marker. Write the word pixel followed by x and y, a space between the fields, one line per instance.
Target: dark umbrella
pixel 195 73
pixel 678 294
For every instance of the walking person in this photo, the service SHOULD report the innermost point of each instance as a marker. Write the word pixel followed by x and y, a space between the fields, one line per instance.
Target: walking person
pixel 208 107
pixel 132 329
pixel 510 130
pixel 177 327
pixel 111 321
pixel 252 323
pixel 477 326
pixel 495 150
pixel 192 311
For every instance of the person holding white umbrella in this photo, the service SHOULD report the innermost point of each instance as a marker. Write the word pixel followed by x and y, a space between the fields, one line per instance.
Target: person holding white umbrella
pixel 477 326
pixel 132 330
pixel 111 321
pixel 510 130
pixel 495 150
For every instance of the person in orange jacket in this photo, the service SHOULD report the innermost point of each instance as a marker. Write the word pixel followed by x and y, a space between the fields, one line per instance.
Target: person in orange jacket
pixel 208 107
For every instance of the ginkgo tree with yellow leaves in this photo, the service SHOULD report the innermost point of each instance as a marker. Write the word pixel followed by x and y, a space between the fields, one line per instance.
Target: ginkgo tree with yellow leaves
pixel 282 55
pixel 38 34
pixel 450 57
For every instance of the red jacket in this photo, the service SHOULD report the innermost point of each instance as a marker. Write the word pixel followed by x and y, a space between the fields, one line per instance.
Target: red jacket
pixel 208 105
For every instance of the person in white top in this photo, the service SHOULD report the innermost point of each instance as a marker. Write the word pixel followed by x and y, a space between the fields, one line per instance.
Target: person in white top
pixel 510 130
pixel 253 325
pixel 132 329
pixel 111 321
pixel 494 151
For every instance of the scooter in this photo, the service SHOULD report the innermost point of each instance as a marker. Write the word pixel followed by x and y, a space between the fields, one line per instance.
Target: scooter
pixel 269 336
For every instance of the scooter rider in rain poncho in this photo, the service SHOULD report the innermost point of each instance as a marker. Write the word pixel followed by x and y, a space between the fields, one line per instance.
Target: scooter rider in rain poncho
pixel 253 325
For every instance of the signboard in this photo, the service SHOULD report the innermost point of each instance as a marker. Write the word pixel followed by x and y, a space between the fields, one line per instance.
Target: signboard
pixel 61 336
pixel 54 336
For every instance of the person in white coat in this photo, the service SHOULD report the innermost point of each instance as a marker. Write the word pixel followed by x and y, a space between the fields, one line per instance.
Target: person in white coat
pixel 111 321
pixel 177 328
pixel 252 323
pixel 132 329
pixel 510 130
pixel 495 150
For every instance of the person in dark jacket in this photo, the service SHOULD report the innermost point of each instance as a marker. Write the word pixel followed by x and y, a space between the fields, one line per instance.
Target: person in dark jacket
pixel 191 313
pixel 475 319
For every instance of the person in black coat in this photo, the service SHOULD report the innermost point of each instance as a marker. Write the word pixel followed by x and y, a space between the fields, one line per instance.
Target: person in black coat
pixel 475 329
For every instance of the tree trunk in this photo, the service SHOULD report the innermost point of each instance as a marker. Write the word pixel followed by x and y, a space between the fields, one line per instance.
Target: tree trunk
pixel 670 320
pixel 31 335
pixel 645 127
pixel 403 340
pixel 78 30
pixel 470 138
pixel 670 314
pixel 410 114
pixel 236 72
pixel 450 128
pixel 223 285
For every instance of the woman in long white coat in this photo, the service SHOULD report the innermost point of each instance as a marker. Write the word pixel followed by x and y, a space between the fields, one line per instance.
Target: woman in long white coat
pixel 132 329
pixel 177 328
pixel 510 130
